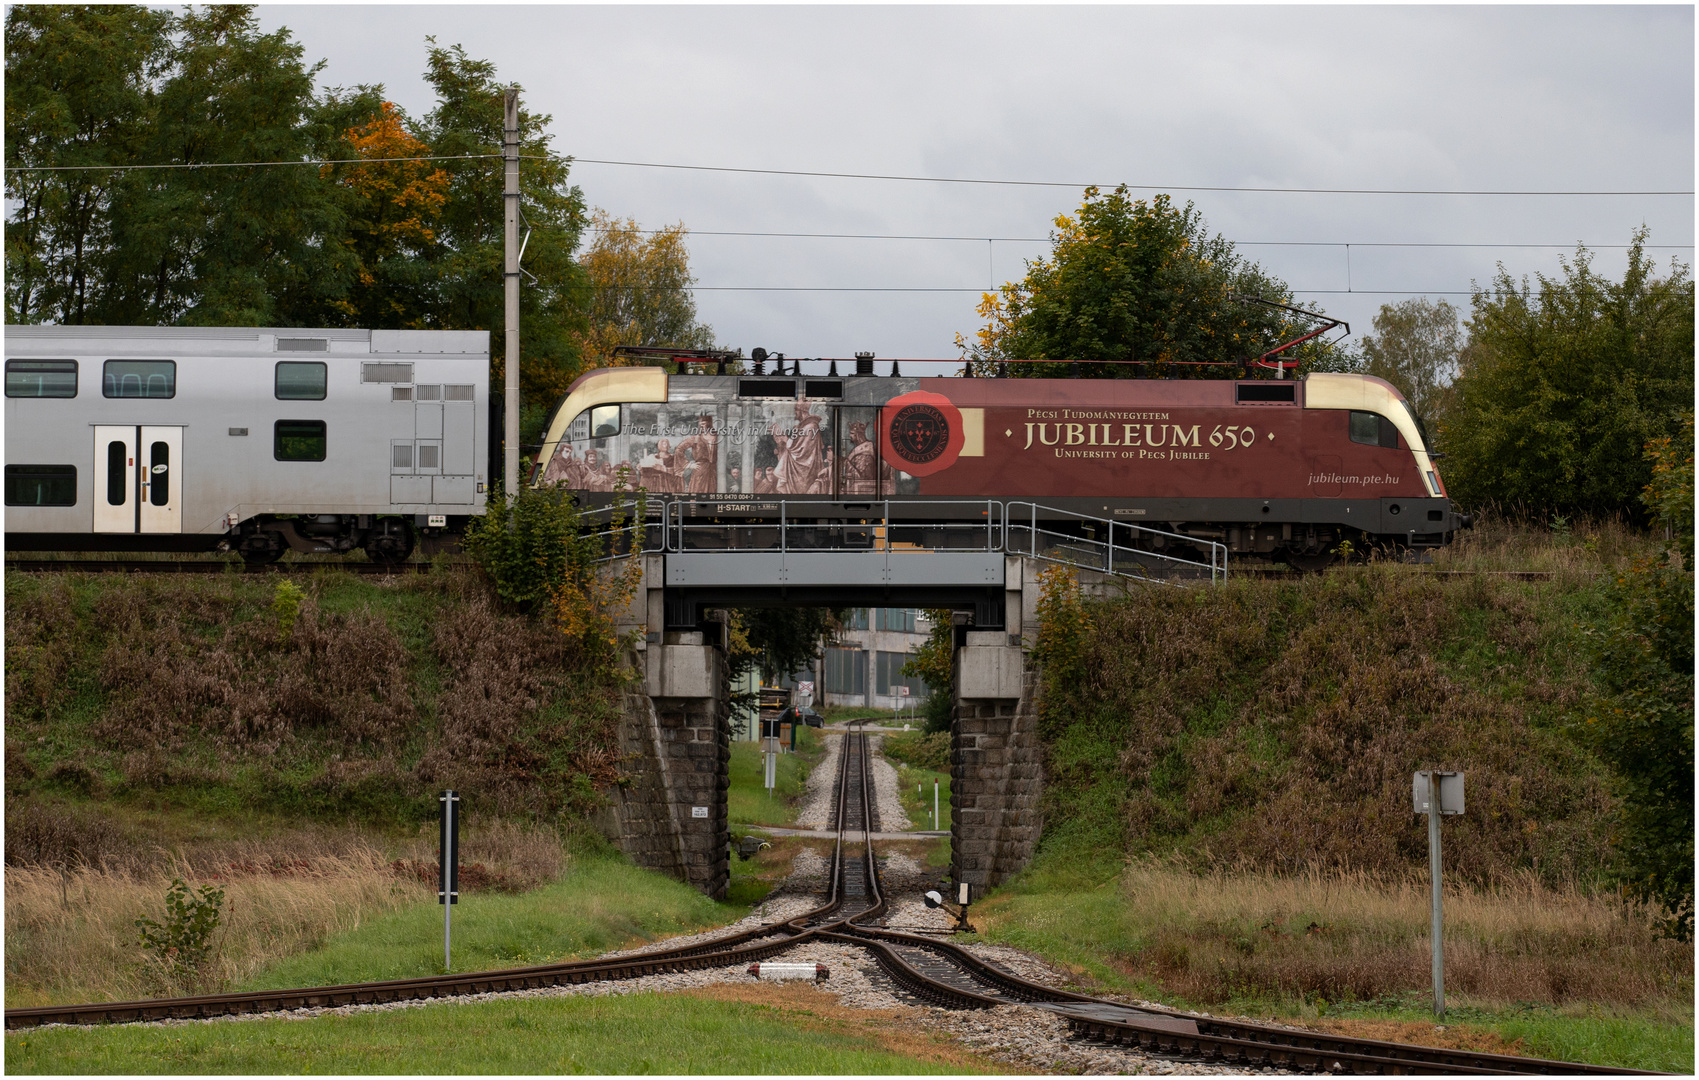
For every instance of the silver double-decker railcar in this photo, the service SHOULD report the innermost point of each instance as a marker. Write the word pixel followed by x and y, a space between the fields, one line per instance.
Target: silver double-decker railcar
pixel 123 438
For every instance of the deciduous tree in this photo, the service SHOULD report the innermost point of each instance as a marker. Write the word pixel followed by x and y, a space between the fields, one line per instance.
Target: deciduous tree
pixel 1131 280
pixel 639 290
pixel 1563 384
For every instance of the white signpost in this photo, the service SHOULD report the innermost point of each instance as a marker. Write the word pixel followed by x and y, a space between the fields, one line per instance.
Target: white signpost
pixel 1436 794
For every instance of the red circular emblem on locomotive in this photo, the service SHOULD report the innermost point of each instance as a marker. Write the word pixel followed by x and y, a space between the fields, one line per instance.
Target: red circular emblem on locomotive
pixel 922 432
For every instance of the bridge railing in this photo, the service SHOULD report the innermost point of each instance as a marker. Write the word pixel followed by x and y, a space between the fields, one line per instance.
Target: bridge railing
pixel 626 527
pixel 808 525
pixel 1032 530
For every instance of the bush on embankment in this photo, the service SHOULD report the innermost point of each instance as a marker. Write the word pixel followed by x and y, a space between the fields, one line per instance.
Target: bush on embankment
pixel 349 698
pixel 1275 725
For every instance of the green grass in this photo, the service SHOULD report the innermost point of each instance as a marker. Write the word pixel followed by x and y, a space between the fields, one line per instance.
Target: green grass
pixel 1101 936
pixel 918 805
pixel 602 904
pixel 747 801
pixel 637 1033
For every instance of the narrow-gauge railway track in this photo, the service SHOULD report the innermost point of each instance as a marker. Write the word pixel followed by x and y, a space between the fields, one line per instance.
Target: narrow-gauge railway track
pixel 203 566
pixel 938 972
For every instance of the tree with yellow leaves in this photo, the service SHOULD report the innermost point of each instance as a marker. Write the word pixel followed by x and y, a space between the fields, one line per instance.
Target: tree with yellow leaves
pixel 639 290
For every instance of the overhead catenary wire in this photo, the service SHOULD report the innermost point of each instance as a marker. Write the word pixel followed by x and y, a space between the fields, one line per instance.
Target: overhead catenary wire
pixel 826 174
pixel 1236 243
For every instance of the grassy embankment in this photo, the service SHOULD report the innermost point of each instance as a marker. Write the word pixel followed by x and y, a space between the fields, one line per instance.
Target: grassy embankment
pixel 287 750
pixel 759 1029
pixel 1228 822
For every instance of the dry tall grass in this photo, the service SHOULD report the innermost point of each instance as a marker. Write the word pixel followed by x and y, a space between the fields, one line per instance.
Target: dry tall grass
pixel 71 935
pixel 70 921
pixel 1341 934
pixel 1507 542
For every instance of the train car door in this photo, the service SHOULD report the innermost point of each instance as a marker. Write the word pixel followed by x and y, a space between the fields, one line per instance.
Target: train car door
pixel 858 474
pixel 115 479
pixel 138 479
pixel 161 505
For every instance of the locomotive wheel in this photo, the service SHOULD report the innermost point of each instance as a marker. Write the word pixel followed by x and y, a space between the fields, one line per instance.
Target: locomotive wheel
pixel 390 541
pixel 1308 562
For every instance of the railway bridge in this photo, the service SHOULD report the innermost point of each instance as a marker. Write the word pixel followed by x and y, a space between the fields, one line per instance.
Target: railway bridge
pixel 983 564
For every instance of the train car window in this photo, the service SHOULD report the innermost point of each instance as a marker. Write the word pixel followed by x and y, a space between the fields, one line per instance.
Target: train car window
pixel 117 473
pixel 1373 429
pixel 457 393
pixel 301 380
pixel 823 388
pixel 1265 392
pixel 298 440
pixel 604 421
pixel 429 393
pixel 139 379
pixel 41 378
pixel 159 474
pixel 42 485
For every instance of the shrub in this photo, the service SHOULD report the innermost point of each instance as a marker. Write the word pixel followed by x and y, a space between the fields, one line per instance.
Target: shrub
pixel 183 944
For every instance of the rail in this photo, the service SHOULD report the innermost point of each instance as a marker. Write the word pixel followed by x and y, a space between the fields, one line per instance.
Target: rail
pixel 926 968
pixel 1030 533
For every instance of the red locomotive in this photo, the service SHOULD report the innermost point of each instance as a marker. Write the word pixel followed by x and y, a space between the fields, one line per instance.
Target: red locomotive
pixel 1277 469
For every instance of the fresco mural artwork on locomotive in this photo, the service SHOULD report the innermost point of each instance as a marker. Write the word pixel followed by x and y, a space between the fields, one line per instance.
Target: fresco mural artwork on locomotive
pixel 798 448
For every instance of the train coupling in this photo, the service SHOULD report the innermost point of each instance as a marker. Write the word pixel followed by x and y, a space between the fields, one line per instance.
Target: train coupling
pixel 817 972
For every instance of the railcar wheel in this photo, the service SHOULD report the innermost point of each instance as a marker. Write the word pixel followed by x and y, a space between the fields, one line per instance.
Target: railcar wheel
pixel 261 547
pixel 390 541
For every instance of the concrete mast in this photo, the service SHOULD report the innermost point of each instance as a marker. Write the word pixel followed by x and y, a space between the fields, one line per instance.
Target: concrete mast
pixel 510 369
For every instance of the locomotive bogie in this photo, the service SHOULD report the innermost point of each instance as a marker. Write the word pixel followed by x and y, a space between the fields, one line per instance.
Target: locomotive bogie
pixel 248 439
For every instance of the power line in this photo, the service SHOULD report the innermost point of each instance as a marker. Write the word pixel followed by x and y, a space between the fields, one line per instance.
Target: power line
pixel 1236 243
pixel 1061 184
pixel 568 159
pixel 245 164
pixel 928 289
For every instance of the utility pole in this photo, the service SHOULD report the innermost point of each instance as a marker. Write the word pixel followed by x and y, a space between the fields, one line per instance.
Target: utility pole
pixel 510 369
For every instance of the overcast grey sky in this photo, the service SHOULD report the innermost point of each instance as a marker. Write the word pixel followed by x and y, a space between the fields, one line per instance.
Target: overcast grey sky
pixel 1450 98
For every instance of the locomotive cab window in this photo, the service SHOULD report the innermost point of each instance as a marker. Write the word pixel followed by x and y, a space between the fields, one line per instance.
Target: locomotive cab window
pixel 1373 429
pixel 301 380
pixel 41 378
pixel 604 421
pixel 299 440
pixel 139 379
pixel 41 485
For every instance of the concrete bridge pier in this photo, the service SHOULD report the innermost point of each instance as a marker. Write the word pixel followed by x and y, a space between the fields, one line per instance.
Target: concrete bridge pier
pixel 669 811
pixel 995 763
